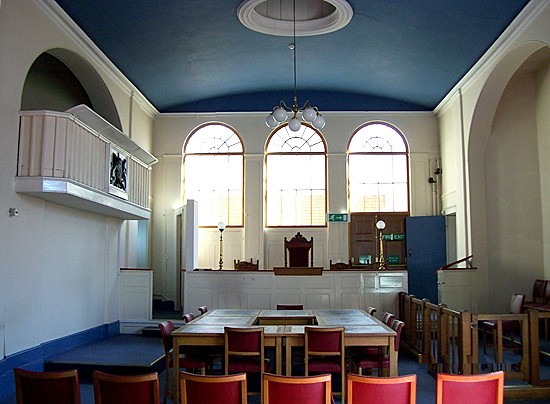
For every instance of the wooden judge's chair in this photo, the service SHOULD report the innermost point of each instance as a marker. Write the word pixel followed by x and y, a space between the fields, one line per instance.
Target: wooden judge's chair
pixel 297 251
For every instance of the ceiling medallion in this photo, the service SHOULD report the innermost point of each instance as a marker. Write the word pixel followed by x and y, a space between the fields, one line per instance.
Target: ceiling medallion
pixel 274 17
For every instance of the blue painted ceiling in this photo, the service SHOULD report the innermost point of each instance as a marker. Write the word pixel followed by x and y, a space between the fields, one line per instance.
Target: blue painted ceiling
pixel 195 55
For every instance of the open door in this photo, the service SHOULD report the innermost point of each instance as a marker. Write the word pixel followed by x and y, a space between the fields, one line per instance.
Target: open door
pixel 426 253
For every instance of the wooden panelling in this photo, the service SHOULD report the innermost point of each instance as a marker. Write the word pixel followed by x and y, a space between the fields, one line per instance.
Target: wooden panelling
pixel 264 290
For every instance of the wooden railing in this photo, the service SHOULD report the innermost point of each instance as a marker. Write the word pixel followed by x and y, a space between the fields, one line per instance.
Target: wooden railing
pixel 449 341
pixel 467 260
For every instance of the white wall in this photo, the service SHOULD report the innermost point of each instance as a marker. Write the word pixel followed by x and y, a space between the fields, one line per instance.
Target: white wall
pixel 58 266
pixel 420 129
pixel 494 134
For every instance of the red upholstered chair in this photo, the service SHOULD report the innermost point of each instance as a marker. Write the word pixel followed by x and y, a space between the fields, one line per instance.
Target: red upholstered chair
pixel 187 361
pixel 325 352
pixel 282 306
pixel 203 309
pixel 485 388
pixel 296 389
pixel 382 390
pixel 188 317
pixel 388 318
pixel 371 310
pixel 212 389
pixel 377 360
pixel 46 387
pixel 114 389
pixel 244 350
pixel 540 287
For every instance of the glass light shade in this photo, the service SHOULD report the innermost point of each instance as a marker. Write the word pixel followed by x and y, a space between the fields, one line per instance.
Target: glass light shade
pixel 221 226
pixel 319 122
pixel 380 225
pixel 294 124
pixel 309 114
pixel 280 114
pixel 270 121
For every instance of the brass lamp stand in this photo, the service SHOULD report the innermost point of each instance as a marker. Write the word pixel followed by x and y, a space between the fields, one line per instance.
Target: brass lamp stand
pixel 221 228
pixel 381 225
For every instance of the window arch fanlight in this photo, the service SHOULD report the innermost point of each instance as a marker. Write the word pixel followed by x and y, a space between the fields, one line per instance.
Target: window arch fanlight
pixel 295 177
pixel 213 174
pixel 378 172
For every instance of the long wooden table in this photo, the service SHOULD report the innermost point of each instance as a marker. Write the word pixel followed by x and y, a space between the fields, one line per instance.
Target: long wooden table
pixel 361 329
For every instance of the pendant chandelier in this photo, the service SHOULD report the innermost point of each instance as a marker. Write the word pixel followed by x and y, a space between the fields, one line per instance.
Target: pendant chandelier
pixel 281 112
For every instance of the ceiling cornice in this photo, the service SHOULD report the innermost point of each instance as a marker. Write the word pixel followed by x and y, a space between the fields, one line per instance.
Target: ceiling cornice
pixel 496 52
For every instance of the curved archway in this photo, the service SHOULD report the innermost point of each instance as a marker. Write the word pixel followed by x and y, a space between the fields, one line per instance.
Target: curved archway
pixel 490 153
pixel 72 80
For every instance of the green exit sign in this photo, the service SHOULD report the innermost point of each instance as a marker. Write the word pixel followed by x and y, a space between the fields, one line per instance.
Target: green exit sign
pixel 337 217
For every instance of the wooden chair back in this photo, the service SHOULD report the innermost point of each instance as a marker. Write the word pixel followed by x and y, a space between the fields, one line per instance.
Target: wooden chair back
pixel 166 328
pixel 298 251
pixel 397 326
pixel 135 389
pixel 46 387
pixel 188 317
pixel 485 388
pixel 547 292
pixel 371 310
pixel 297 389
pixel 213 389
pixel 203 310
pixel 243 342
pixel 397 389
pixel 539 290
pixel 246 266
pixel 516 303
pixel 325 352
pixel 388 318
pixel 324 341
pixel 283 306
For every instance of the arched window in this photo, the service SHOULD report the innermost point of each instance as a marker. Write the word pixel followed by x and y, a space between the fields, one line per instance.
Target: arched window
pixel 378 169
pixel 295 178
pixel 213 161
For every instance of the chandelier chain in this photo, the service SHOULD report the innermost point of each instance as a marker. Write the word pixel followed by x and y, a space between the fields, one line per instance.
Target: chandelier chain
pixel 281 112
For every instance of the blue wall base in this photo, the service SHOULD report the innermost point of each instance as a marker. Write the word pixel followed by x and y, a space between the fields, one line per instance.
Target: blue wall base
pixel 33 358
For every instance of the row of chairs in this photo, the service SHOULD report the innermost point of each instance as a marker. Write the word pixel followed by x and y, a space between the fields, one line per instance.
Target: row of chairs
pixel 240 265
pixel 64 388
pixel 451 389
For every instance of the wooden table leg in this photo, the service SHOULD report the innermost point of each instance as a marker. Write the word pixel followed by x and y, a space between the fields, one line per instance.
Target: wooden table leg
pixel 288 353
pixel 176 371
pixel 393 357
pixel 278 356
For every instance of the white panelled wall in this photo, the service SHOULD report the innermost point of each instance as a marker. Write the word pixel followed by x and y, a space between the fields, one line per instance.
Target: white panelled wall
pixel 264 290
